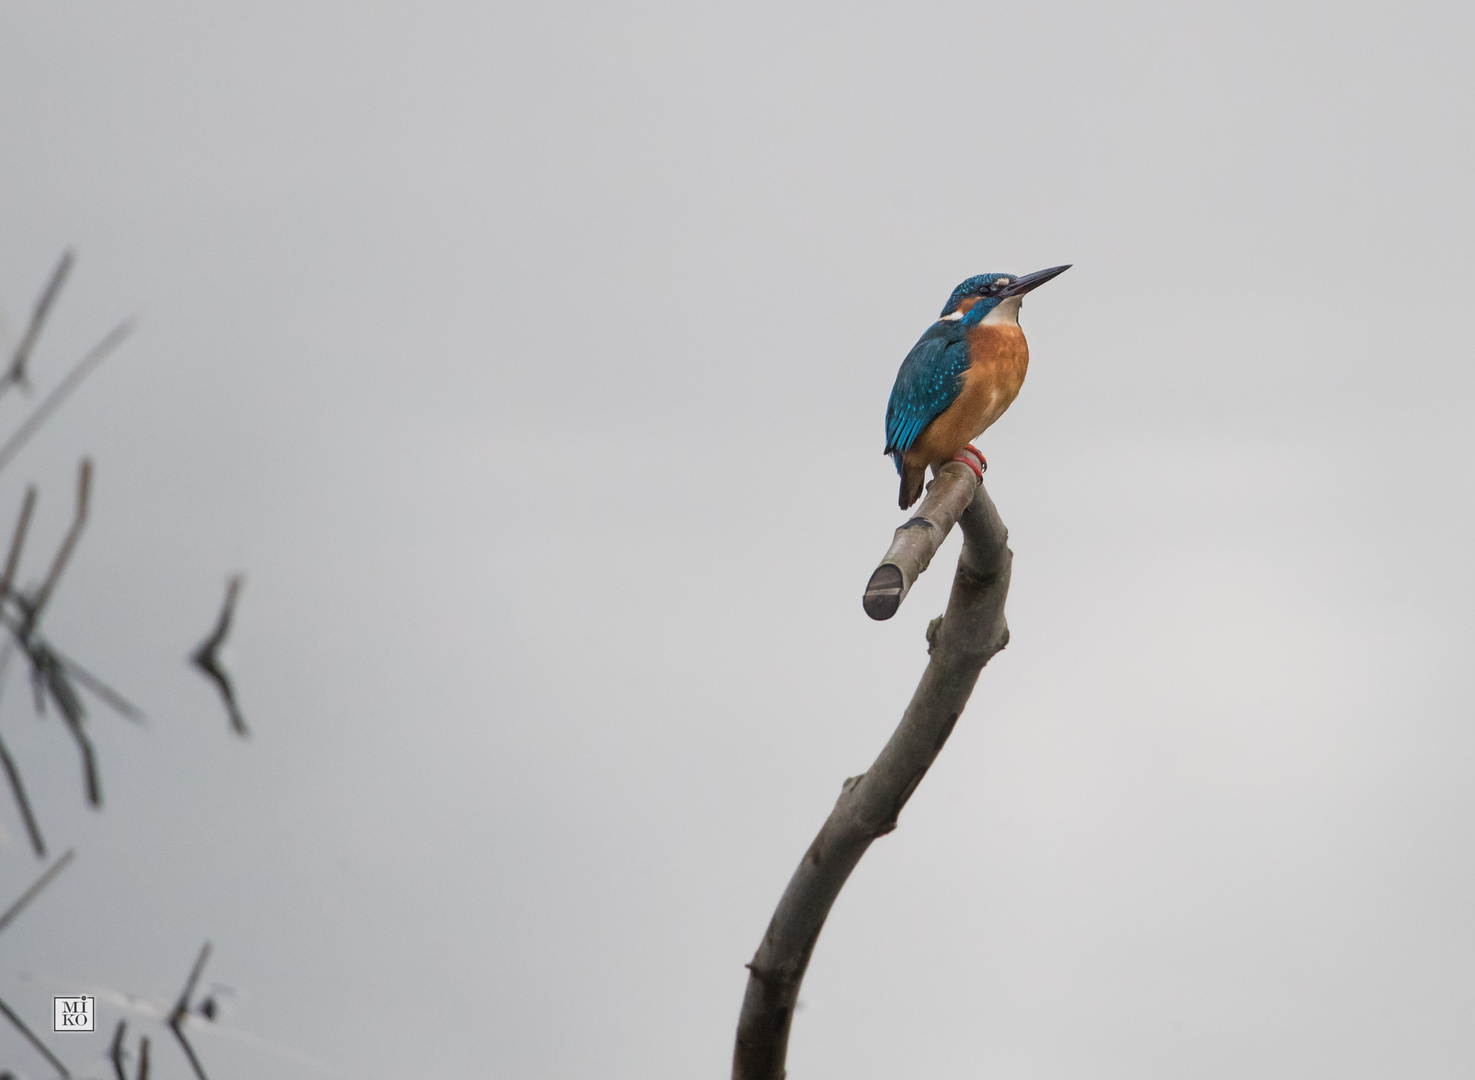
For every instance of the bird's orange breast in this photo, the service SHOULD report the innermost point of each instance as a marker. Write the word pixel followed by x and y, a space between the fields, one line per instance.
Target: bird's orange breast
pixel 999 358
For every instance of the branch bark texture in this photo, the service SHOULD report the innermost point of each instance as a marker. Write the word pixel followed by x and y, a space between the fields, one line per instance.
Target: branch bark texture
pixel 917 539
pixel 970 632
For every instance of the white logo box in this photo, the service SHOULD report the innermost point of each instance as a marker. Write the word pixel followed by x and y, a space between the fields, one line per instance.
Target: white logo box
pixel 73 1013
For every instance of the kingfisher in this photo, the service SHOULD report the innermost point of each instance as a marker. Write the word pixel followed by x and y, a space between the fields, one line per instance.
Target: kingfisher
pixel 959 377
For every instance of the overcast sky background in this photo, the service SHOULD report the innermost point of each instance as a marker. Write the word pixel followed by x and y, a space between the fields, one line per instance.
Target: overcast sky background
pixel 531 362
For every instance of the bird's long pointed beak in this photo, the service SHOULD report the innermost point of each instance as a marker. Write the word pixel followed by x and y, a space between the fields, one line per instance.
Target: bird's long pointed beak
pixel 1021 285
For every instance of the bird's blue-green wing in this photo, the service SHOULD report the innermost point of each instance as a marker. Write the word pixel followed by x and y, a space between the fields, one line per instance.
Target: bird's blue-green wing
pixel 930 379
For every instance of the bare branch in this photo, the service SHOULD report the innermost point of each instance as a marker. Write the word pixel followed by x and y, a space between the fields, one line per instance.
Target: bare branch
pixel 12 771
pixel 181 1010
pixel 917 540
pixel 18 790
pixel 49 672
pixel 16 374
pixel 102 690
pixel 18 541
pixel 115 1052
pixel 7 653
pixel 46 878
pixel 182 1006
pixel 20 1026
pixel 52 674
pixel 207 656
pixel 70 707
pixel 143 1059
pixel 89 762
pixel 49 676
pixel 38 684
pixel 63 389
pixel 960 643
pixel 38 600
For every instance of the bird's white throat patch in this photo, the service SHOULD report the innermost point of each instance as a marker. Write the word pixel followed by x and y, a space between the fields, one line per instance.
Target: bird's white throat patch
pixel 1007 312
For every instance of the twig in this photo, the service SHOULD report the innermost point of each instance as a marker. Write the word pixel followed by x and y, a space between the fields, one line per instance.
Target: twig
pixel 18 790
pixel 115 1052
pixel 72 713
pixel 102 690
pixel 182 1006
pixel 38 682
pixel 12 771
pixel 916 541
pixel 51 672
pixel 16 374
pixel 60 392
pixel 206 657
pixel 181 1010
pixel 89 759
pixel 37 1043
pixel 48 672
pixel 960 643
pixel 35 890
pixel 49 676
pixel 38 600
pixel 18 541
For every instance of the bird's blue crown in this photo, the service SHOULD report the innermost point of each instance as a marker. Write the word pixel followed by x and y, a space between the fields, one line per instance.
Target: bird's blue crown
pixel 981 286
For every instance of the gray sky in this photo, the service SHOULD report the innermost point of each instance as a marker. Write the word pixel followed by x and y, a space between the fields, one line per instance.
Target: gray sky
pixel 531 361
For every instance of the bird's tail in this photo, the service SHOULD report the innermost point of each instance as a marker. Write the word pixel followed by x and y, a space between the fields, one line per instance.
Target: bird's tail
pixel 913 479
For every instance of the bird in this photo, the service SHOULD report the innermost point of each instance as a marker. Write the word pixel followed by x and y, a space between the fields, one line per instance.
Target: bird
pixel 960 376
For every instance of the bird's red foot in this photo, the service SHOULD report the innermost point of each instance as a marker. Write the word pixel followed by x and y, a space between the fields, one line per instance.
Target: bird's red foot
pixel 970 457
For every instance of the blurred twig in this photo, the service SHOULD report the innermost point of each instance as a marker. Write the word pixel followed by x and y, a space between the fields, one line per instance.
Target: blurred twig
pixel 104 693
pixel 15 909
pixel 49 676
pixel 37 601
pixel 12 771
pixel 30 1035
pixel 18 790
pixel 207 656
pixel 84 367
pixel 46 878
pixel 181 1010
pixel 57 678
pixel 16 374
pixel 54 676
pixel 18 541
pixel 115 1054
